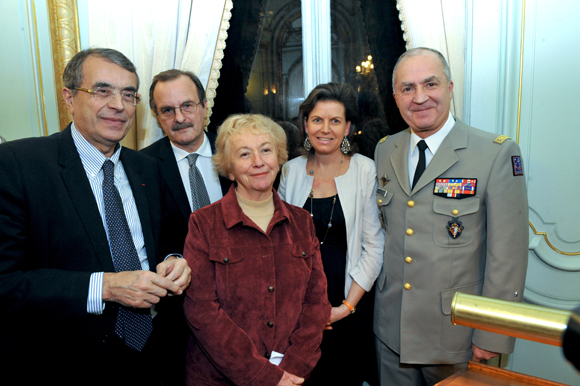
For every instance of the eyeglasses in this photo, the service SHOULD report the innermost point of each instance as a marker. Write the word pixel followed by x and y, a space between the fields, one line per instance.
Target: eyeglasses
pixel 107 94
pixel 185 108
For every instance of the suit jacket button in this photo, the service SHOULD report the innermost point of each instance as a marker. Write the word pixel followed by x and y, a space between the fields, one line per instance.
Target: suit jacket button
pixel 226 260
pixel 410 203
pixel 267 355
pixel 303 253
pixel 408 260
pixel 271 289
pixel 270 324
pixel 407 286
pixel 409 232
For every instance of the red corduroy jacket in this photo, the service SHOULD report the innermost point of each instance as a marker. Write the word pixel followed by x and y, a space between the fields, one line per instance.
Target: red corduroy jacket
pixel 252 293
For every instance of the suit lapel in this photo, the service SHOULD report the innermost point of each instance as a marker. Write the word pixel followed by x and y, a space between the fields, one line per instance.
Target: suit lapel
pixel 400 161
pixel 170 171
pixel 224 182
pixel 138 188
pixel 445 156
pixel 78 187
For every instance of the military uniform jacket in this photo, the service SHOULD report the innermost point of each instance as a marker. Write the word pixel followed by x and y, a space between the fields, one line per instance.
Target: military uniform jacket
pixel 424 265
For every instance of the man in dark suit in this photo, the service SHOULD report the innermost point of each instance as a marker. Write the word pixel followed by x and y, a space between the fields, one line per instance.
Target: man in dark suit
pixel 178 99
pixel 454 208
pixel 81 259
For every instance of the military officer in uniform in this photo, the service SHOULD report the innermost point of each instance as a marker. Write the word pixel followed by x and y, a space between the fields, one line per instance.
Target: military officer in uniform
pixel 453 204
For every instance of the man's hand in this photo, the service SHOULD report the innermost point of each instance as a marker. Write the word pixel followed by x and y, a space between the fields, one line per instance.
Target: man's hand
pixel 139 289
pixel 177 271
pixel 290 379
pixel 480 354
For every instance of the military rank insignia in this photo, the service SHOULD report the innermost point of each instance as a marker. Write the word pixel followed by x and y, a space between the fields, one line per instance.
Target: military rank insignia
pixel 384 179
pixel 454 227
pixel 517 166
pixel 455 187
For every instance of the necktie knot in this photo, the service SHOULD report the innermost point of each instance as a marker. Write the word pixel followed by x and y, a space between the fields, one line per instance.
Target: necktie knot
pixel 109 170
pixel 192 158
pixel 422 164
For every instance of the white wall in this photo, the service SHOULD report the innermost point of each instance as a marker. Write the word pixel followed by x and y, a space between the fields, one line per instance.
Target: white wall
pixel 549 132
pixel 28 97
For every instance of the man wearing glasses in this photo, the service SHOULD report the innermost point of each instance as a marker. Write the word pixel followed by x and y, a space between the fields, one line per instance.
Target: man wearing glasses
pixel 184 155
pixel 81 257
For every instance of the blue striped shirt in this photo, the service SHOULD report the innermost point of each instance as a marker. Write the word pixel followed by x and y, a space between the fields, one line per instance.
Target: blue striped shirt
pixel 93 160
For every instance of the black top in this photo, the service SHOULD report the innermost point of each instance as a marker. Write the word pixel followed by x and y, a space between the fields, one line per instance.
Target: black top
pixel 333 248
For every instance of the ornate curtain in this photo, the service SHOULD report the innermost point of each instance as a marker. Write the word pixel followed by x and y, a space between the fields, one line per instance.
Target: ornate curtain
pixel 183 34
pixel 439 25
pixel 239 55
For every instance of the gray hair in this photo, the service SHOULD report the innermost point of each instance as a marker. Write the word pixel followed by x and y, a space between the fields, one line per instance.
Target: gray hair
pixel 168 75
pixel 73 73
pixel 420 51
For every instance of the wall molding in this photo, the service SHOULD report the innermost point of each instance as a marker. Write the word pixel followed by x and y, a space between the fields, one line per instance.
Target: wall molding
pixel 66 43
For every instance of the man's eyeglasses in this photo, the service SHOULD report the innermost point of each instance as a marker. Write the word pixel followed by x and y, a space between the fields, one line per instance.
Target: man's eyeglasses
pixel 107 94
pixel 185 108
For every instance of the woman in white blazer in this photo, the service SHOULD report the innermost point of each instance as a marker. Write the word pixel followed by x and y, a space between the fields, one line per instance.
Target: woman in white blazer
pixel 338 188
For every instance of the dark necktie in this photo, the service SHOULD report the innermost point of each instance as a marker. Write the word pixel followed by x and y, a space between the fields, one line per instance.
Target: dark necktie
pixel 199 196
pixel 135 325
pixel 422 145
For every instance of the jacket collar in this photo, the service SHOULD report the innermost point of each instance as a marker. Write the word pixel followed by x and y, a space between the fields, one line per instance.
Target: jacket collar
pixel 234 215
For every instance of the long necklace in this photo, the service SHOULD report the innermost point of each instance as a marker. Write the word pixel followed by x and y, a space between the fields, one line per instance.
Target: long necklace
pixel 329 225
pixel 311 171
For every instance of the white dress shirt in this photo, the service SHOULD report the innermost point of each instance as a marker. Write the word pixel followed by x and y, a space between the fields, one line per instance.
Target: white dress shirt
pixel 93 160
pixel 203 163
pixel 433 143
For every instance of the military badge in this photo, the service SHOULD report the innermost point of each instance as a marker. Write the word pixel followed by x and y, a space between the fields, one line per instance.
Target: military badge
pixel 384 179
pixel 501 139
pixel 517 165
pixel 455 187
pixel 454 227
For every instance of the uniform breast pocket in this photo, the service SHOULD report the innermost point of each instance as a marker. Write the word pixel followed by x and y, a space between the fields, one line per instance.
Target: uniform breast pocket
pixel 384 197
pixel 455 222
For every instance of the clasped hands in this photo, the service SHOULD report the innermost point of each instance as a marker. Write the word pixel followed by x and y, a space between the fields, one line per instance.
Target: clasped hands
pixel 142 289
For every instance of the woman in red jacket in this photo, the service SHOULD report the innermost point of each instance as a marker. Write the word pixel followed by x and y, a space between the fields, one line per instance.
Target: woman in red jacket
pixel 257 302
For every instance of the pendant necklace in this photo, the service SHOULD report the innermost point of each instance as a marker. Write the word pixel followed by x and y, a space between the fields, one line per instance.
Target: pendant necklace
pixel 311 195
pixel 329 225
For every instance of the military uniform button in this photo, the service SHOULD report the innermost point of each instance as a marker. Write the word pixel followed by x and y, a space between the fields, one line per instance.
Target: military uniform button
pixel 408 260
pixel 407 286
pixel 409 232
pixel 410 203
pixel 270 324
pixel 226 260
pixel 455 212
pixel 271 289
pixel 380 201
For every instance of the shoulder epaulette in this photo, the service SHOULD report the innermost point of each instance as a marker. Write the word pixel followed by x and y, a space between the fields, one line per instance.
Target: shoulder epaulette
pixel 501 139
pixel 383 139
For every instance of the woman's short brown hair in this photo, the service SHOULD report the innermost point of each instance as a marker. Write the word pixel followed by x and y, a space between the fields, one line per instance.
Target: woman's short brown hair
pixel 242 124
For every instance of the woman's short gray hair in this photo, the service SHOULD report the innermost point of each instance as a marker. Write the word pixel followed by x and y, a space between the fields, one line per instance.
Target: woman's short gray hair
pixel 243 124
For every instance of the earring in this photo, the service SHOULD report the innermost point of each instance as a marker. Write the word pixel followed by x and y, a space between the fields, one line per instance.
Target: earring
pixel 307 144
pixel 345 146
